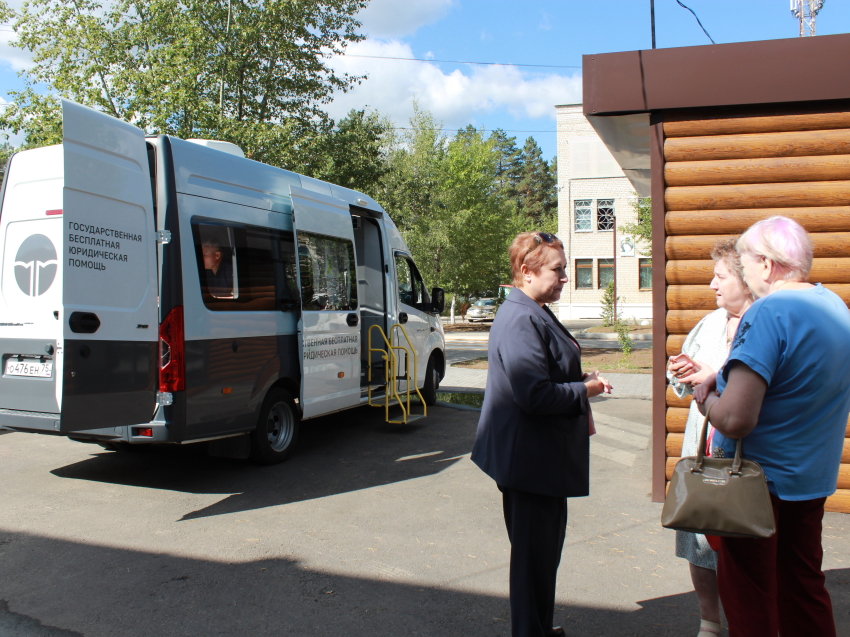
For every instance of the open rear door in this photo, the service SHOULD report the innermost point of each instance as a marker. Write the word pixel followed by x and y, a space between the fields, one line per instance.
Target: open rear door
pixel 330 332
pixel 109 354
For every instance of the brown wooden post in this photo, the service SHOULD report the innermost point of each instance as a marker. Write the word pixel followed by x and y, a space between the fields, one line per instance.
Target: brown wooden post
pixel 659 312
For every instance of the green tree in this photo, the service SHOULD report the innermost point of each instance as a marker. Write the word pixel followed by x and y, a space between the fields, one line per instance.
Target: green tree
pixel 537 198
pixel 352 154
pixel 508 165
pixel 6 150
pixel 440 193
pixel 641 229
pixel 252 72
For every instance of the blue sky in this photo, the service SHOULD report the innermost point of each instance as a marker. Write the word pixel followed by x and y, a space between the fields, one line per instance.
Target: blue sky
pixel 547 32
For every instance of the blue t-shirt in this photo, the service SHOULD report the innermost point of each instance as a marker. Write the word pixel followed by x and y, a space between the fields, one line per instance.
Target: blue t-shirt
pixel 799 342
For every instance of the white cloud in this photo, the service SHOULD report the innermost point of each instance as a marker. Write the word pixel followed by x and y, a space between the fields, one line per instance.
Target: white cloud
pixel 397 18
pixel 16 59
pixel 457 97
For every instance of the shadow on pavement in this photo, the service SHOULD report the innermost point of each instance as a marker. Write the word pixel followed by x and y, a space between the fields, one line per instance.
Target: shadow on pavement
pixel 81 589
pixel 336 454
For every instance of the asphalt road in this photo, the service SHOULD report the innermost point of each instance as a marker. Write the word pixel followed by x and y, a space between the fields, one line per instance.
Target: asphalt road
pixel 370 530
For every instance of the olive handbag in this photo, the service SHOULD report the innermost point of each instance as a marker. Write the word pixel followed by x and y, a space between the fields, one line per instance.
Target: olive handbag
pixel 718 496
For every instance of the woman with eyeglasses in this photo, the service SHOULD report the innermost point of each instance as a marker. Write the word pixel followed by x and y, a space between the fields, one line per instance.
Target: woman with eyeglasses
pixel 533 436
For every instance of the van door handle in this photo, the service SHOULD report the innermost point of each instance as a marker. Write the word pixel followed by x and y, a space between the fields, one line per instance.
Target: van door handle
pixel 352 319
pixel 83 322
pixel 402 317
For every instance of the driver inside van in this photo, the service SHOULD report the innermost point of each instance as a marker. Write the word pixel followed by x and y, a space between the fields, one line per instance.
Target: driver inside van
pixel 218 270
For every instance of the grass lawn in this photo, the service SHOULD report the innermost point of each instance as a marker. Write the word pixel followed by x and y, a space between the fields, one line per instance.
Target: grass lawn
pixel 592 358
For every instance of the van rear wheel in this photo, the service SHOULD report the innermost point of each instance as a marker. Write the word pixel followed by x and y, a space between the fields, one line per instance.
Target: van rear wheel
pixel 277 429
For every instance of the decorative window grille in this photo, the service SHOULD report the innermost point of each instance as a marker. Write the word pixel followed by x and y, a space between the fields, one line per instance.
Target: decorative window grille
pixel 584 215
pixel 584 274
pixel 605 214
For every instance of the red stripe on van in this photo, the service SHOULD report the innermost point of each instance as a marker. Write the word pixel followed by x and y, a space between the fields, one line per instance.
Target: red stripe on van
pixel 51 213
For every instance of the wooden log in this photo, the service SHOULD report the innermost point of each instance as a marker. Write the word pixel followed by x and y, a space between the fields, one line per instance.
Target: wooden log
pixel 700 272
pixel 691 222
pixel 801 194
pixel 770 170
pixel 691 297
pixel 671 464
pixel 826 245
pixel 845 452
pixel 758 145
pixel 725 125
pixel 683 321
pixel 674 401
pixel 838 502
pixel 842 290
pixel 689 272
pixel 847 431
pixel 676 419
pixel 843 477
pixel 674 343
pixel 674 444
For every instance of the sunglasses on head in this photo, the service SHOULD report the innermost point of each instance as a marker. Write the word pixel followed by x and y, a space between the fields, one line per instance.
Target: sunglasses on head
pixel 542 237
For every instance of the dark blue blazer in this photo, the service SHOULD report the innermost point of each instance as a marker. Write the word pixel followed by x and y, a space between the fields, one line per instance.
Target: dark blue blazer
pixel 533 431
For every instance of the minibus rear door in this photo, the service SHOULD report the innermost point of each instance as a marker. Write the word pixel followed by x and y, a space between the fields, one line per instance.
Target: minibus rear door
pixel 330 331
pixel 110 314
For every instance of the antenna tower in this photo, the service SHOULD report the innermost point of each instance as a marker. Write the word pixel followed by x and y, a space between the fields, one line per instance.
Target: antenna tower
pixel 806 11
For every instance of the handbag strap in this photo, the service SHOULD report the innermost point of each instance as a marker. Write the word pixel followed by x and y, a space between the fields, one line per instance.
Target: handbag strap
pixel 735 469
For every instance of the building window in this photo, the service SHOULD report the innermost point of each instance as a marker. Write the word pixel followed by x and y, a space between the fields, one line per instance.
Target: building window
pixel 584 215
pixel 645 266
pixel 605 214
pixel 584 274
pixel 606 272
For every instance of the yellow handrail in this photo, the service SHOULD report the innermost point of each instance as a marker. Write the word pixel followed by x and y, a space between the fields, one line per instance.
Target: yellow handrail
pixel 390 367
pixel 415 367
pixel 391 376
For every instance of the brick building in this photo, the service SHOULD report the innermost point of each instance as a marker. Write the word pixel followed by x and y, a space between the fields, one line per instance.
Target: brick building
pixel 592 192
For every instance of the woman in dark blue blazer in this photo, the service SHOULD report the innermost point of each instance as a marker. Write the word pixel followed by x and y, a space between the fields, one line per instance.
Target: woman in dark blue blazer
pixel 533 437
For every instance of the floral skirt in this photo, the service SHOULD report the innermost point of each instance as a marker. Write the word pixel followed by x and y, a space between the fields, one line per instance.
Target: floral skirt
pixel 694 548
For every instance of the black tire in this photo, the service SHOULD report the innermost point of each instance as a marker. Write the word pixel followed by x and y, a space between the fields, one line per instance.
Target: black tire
pixel 277 429
pixel 432 382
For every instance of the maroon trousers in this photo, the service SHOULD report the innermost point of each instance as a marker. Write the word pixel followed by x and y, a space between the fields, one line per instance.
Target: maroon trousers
pixel 776 586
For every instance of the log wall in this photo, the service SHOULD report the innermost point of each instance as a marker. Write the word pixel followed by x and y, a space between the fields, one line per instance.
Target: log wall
pixel 722 173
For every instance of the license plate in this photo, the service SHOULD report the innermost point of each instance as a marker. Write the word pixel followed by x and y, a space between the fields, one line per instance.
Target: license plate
pixel 29 368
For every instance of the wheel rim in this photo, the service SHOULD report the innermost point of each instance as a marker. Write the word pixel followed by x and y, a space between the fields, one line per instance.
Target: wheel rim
pixel 280 426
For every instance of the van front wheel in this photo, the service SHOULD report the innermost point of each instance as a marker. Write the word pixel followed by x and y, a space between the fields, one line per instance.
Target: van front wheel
pixel 277 429
pixel 432 382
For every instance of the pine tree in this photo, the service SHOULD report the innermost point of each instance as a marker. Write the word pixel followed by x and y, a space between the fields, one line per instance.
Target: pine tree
pixel 536 189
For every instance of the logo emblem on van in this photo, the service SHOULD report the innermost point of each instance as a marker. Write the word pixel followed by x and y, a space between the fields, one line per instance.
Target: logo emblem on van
pixel 36 265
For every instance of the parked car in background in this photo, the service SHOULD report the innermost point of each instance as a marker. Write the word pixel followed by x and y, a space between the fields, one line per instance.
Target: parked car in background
pixel 482 310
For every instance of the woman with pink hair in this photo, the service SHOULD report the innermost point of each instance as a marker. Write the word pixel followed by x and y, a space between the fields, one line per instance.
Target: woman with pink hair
pixel 785 390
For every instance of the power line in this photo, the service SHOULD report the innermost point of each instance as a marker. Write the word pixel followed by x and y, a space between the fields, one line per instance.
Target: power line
pixel 386 57
pixel 698 22
pixel 484 130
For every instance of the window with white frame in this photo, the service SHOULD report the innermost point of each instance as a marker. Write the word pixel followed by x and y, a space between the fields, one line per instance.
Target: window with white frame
pixel 584 215
pixel 605 214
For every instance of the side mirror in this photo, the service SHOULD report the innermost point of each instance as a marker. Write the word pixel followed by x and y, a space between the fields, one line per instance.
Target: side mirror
pixel 438 300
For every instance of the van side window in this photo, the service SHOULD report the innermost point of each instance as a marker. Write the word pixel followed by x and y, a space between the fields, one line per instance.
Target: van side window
pixel 328 273
pixel 245 268
pixel 411 289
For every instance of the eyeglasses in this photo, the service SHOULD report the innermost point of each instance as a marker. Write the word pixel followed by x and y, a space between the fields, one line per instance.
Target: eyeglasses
pixel 542 237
